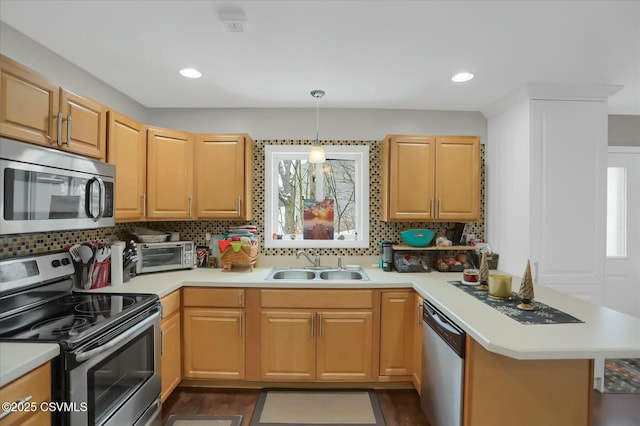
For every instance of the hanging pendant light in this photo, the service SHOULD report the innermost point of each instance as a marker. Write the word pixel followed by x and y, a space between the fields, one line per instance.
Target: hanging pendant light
pixel 316 155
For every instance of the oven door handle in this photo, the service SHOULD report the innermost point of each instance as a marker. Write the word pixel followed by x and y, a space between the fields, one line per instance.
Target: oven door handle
pixel 83 356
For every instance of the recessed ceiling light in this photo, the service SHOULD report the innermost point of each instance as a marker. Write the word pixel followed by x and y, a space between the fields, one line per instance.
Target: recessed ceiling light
pixel 461 77
pixel 190 73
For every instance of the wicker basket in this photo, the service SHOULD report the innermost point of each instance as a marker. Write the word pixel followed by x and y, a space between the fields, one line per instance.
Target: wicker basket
pixel 246 256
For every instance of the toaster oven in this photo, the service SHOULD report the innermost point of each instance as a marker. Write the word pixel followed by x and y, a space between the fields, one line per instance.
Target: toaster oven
pixel 167 256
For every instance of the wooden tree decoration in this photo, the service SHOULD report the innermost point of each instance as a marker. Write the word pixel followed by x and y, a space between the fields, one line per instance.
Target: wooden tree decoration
pixel 526 290
pixel 484 273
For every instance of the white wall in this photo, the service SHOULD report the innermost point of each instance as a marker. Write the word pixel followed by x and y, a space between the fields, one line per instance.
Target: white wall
pixel 624 130
pixel 55 68
pixel 507 197
pixel 343 124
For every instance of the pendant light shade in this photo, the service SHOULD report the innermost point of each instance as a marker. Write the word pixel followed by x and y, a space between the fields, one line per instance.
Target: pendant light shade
pixel 316 155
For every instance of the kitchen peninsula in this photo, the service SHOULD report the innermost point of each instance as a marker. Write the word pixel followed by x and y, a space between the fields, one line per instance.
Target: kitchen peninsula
pixel 545 369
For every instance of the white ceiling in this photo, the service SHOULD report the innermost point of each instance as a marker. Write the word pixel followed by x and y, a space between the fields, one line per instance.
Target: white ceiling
pixel 364 54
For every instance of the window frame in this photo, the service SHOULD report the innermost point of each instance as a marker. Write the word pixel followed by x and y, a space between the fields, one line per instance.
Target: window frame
pixel 358 153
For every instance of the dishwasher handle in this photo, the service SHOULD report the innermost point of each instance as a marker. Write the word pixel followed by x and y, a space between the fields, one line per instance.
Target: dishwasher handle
pixel 445 323
pixel 446 329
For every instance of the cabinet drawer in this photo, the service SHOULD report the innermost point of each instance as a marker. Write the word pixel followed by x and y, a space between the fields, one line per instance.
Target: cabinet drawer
pixel 170 304
pixel 36 384
pixel 362 299
pixel 213 297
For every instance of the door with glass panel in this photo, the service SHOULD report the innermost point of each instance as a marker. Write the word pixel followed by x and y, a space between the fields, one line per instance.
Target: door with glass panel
pixel 622 268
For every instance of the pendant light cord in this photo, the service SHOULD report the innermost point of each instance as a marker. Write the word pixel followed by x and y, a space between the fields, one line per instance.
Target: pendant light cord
pixel 317 118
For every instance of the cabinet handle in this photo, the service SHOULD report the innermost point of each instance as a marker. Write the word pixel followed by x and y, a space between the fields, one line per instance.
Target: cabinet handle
pixel 161 342
pixel 240 325
pixel 419 316
pixel 240 299
pixel 320 325
pixel 313 322
pixel 14 405
pixel 431 209
pixel 68 130
pixel 144 204
pixel 59 129
pixel 439 207
pixel 535 274
pixel 190 206
pixel 239 205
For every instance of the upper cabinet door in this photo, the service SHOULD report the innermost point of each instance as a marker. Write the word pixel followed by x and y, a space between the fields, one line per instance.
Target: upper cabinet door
pixel 224 176
pixel 169 174
pixel 83 125
pixel 28 105
pixel 458 178
pixel 127 149
pixel 408 178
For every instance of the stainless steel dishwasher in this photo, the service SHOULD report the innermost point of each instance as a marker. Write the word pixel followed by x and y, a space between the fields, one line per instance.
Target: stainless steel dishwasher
pixel 443 350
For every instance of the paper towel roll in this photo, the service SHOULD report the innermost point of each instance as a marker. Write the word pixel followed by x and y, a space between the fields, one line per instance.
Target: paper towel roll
pixel 116 264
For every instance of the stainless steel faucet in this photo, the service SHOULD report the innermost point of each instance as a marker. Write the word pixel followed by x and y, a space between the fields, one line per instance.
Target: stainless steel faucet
pixel 315 262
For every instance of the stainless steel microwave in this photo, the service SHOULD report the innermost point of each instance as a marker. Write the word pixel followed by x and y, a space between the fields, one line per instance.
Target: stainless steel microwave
pixel 155 257
pixel 44 189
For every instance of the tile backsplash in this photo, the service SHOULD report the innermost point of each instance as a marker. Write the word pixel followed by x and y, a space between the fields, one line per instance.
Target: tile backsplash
pixel 20 245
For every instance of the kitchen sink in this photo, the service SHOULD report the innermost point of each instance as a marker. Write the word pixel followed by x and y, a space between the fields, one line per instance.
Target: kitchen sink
pixel 342 275
pixel 279 274
pixel 293 275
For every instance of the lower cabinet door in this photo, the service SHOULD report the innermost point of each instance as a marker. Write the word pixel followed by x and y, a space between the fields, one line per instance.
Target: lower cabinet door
pixel 396 333
pixel 345 341
pixel 214 343
pixel 170 362
pixel 288 345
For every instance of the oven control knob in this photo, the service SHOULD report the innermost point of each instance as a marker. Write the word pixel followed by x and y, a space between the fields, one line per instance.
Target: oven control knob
pixel 55 263
pixel 65 261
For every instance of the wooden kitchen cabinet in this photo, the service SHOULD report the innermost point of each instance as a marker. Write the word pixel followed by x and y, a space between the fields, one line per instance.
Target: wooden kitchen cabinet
pixel 127 150
pixel 431 178
pixel 38 111
pixel 564 387
pixel 169 174
pixel 84 129
pixel 417 341
pixel 344 345
pixel 37 384
pixel 224 176
pixel 397 318
pixel 171 344
pixel 324 335
pixel 288 345
pixel 214 333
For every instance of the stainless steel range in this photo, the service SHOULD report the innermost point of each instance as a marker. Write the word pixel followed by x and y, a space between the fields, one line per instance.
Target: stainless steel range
pixel 109 363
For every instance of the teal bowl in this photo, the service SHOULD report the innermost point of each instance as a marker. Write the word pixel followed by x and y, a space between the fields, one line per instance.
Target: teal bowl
pixel 417 237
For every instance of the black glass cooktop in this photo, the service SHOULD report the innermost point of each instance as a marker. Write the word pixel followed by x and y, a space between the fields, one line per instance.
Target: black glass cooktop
pixel 74 317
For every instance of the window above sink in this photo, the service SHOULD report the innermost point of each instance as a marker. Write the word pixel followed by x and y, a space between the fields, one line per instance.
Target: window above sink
pixel 316 205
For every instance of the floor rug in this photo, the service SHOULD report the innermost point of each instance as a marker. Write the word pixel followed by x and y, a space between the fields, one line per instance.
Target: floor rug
pixel 622 375
pixel 317 408
pixel 174 420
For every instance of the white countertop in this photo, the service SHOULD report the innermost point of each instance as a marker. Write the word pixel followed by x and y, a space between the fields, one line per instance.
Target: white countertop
pixel 17 359
pixel 604 333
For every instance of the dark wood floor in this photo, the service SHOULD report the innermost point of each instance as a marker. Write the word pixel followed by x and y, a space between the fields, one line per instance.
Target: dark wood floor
pixel 399 407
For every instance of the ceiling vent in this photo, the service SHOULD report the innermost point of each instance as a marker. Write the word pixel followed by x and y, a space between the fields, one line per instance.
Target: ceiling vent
pixel 234 26
pixel 233 20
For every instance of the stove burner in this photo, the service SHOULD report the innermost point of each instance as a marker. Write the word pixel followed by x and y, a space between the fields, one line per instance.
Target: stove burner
pixel 104 304
pixel 71 324
pixel 71 300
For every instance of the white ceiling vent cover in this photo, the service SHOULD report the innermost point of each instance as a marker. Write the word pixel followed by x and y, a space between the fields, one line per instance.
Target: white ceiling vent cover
pixel 233 20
